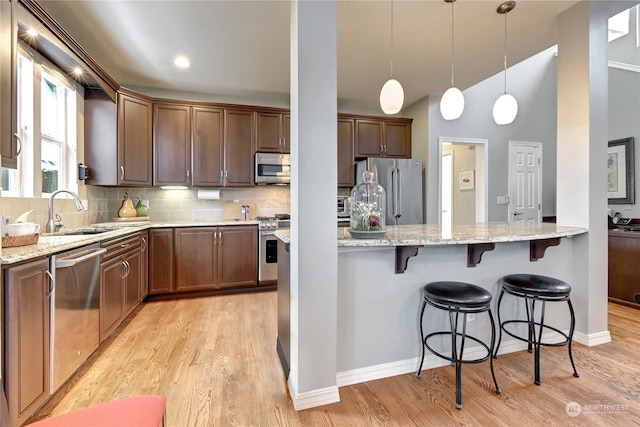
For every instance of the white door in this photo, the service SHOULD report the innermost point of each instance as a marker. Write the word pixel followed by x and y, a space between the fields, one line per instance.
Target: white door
pixel 525 182
pixel 447 186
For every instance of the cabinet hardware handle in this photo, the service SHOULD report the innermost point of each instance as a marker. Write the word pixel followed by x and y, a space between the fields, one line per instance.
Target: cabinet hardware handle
pixel 144 248
pixel 19 149
pixel 121 172
pixel 188 174
pixel 125 245
pixel 226 177
pixel 52 283
pixel 221 176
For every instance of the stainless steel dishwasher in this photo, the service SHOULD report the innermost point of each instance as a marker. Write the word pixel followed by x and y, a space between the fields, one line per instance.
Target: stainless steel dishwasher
pixel 75 315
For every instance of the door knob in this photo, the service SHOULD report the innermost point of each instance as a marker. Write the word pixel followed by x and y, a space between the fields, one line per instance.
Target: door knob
pixel 516 213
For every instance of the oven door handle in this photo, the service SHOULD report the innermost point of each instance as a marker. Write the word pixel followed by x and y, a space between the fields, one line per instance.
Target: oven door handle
pixel 70 262
pixel 267 233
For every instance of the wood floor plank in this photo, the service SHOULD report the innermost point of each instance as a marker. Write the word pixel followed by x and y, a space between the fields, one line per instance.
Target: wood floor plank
pixel 215 360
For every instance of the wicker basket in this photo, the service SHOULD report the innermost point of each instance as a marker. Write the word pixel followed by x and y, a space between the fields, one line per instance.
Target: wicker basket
pixel 12 241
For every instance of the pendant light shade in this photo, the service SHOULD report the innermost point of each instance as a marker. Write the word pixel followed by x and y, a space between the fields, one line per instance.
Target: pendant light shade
pixel 392 94
pixel 452 102
pixel 391 97
pixel 505 108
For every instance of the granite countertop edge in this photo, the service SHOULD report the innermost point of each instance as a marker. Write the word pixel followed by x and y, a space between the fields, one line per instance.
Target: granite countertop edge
pixel 49 244
pixel 433 235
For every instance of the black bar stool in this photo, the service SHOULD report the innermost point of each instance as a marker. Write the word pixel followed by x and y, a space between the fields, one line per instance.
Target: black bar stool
pixel 534 288
pixel 458 298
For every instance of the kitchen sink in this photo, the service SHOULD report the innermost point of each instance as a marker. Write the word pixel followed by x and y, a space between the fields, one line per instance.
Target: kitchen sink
pixel 82 232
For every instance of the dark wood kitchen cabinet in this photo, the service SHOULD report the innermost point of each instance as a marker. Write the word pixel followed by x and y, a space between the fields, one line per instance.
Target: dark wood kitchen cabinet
pixel 345 153
pixel 624 276
pixel 213 258
pixel 118 138
pixel 202 259
pixel 238 147
pixel 144 265
pixel 9 143
pixel 208 146
pixel 171 144
pixel 27 350
pixel 273 131
pixel 376 137
pixel 120 276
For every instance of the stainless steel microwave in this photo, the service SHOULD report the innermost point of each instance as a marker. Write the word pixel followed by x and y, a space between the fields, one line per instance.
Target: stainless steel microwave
pixel 273 168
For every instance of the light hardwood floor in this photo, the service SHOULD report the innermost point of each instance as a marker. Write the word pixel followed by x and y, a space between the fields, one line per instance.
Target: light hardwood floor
pixel 215 360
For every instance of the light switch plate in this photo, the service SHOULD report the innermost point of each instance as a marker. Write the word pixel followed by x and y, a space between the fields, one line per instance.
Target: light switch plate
pixel 502 200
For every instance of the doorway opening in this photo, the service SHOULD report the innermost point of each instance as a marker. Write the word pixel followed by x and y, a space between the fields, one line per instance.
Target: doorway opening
pixel 463 193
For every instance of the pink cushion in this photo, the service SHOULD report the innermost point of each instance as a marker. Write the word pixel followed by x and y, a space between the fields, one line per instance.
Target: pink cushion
pixel 139 411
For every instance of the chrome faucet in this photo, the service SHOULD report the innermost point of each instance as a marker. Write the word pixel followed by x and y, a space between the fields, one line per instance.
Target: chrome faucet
pixel 53 226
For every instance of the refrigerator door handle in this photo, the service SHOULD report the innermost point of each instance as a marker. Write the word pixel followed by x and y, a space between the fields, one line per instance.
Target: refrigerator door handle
pixel 395 185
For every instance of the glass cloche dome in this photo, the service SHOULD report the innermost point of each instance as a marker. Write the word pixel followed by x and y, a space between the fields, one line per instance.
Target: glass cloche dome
pixel 368 201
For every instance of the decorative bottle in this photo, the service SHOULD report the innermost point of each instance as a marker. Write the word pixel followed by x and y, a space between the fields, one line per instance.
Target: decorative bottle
pixel 368 202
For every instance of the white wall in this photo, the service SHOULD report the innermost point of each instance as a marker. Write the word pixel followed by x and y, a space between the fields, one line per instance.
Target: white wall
pixel 533 83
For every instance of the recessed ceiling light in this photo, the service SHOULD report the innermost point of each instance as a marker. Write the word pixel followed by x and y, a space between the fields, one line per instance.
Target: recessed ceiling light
pixel 31 32
pixel 77 71
pixel 182 62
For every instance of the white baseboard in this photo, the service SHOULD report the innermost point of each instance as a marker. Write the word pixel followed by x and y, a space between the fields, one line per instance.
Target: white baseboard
pixel 313 398
pixel 591 340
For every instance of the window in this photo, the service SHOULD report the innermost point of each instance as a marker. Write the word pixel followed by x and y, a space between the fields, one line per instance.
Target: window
pixel 619 25
pixel 47 112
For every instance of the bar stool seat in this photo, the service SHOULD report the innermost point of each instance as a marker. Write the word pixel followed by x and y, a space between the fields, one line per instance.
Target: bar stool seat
pixel 535 288
pixel 457 298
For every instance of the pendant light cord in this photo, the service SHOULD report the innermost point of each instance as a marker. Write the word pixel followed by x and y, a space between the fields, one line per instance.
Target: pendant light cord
pixel 391 55
pixel 452 42
pixel 505 52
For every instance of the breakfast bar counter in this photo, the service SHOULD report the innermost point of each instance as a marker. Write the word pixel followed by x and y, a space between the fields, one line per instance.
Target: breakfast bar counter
pixel 379 295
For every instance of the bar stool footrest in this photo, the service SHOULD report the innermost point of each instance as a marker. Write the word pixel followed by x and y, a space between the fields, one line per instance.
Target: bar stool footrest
pixel 538 324
pixel 451 359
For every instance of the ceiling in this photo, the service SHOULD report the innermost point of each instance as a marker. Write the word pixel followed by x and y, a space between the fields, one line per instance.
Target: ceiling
pixel 241 48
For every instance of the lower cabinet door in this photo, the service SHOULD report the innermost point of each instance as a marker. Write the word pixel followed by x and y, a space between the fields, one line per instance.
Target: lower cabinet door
pixel 111 296
pixel 195 252
pixel 237 257
pixel 27 352
pixel 132 281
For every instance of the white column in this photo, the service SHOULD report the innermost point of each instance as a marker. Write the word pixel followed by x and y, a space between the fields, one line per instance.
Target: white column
pixel 314 254
pixel 582 159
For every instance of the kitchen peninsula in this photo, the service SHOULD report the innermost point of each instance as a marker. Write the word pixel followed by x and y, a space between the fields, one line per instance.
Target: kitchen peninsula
pixel 380 280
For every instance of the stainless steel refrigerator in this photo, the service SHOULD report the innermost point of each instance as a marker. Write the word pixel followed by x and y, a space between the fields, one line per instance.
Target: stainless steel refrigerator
pixel 402 183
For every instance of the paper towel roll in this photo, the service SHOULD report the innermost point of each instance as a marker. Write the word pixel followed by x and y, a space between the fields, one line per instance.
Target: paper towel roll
pixel 209 194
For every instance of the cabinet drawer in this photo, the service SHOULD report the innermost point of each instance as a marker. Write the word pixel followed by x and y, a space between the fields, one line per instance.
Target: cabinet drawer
pixel 118 246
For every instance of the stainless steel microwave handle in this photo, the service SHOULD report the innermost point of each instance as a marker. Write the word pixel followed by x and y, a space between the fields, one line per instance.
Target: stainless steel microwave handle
pixel 70 262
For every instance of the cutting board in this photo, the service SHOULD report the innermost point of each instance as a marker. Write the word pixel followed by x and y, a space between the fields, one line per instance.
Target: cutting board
pixel 233 210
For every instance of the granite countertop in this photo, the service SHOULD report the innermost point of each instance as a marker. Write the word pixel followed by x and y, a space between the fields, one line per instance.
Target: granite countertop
pixel 434 235
pixel 49 244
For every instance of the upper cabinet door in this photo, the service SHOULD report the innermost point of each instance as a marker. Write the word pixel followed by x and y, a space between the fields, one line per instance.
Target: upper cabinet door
pixel 345 153
pixel 208 146
pixel 171 144
pixel 238 146
pixel 397 139
pixel 134 141
pixel 368 138
pixel 272 132
pixel 8 90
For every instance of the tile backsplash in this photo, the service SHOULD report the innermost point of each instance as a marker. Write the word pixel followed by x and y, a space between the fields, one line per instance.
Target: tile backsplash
pixel 102 204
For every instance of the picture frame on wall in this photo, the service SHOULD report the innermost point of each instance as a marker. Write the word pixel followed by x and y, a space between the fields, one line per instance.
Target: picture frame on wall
pixel 467 180
pixel 621 171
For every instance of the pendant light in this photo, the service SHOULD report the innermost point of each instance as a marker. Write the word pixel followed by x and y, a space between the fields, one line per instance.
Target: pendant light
pixel 506 107
pixel 391 95
pixel 452 102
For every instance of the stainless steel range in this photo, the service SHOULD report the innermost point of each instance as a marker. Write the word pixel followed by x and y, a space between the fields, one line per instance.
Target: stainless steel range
pixel 268 249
